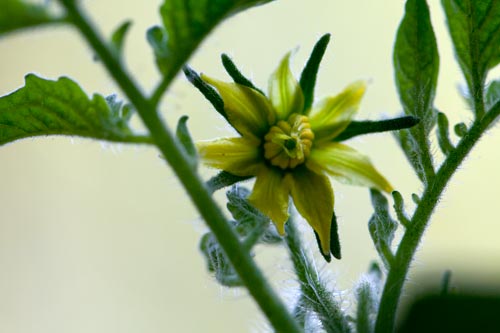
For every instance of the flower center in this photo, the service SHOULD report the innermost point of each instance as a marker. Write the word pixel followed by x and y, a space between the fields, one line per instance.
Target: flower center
pixel 288 143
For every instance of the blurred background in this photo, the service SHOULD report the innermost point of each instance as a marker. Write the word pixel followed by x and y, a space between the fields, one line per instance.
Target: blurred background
pixel 96 237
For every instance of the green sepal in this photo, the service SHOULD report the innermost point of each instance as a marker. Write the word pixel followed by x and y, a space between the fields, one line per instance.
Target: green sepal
pixel 210 93
pixel 356 128
pixel 382 227
pixel 186 141
pixel 118 38
pixel 236 75
pixel 308 77
pixel 443 134
pixel 44 107
pixel 335 249
pixel 223 179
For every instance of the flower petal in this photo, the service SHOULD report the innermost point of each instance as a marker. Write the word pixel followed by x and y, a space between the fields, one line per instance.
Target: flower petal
pixel 270 196
pixel 332 115
pixel 313 196
pixel 347 165
pixel 284 91
pixel 248 111
pixel 239 156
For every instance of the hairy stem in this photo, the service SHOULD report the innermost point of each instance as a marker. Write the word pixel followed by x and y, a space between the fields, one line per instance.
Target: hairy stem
pixel 253 278
pixel 406 250
pixel 315 296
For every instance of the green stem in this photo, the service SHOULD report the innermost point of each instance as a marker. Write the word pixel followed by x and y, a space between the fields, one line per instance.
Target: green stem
pixel 314 294
pixel 406 250
pixel 246 268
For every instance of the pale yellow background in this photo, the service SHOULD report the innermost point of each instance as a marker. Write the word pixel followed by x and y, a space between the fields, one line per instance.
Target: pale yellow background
pixel 97 237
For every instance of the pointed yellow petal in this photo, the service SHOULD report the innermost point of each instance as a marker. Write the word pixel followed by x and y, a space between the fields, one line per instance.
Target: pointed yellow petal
pixel 332 115
pixel 270 196
pixel 313 196
pixel 284 91
pixel 248 111
pixel 238 156
pixel 346 165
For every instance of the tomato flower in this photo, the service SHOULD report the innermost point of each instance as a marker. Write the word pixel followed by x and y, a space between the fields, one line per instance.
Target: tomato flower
pixel 290 150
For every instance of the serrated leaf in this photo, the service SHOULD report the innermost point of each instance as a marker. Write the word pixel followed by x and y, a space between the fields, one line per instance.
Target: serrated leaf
pixel 118 37
pixel 475 30
pixel 416 63
pixel 382 227
pixel 44 107
pixel 186 23
pixel 19 14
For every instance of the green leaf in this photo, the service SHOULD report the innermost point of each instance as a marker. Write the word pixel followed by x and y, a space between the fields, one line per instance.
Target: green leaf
pixel 367 295
pixel 475 30
pixel 186 141
pixel 118 37
pixel 382 227
pixel 218 263
pixel 443 134
pixel 186 23
pixel 43 107
pixel 310 71
pixel 19 14
pixel 250 223
pixel 492 94
pixel 416 63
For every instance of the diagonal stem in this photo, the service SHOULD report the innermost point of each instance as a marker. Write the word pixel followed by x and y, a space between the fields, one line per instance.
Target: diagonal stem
pixel 407 248
pixel 248 271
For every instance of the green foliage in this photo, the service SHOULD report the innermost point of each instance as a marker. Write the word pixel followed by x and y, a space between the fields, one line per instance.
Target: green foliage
pixel 185 24
pixel 186 141
pixel 443 134
pixel 118 37
pixel 475 30
pixel 19 14
pixel 382 227
pixel 367 294
pixel 399 207
pixel 492 94
pixel 43 107
pixel 416 65
pixel 223 179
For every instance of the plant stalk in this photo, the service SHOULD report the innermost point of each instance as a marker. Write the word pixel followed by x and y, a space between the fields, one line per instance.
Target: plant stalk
pixel 246 268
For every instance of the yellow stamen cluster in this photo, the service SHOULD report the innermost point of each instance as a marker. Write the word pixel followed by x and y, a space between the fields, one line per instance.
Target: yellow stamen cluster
pixel 288 143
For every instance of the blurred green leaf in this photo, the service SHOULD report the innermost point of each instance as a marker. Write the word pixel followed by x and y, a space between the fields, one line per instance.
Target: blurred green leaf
pixel 43 107
pixel 475 30
pixel 186 141
pixel 118 37
pixel 185 24
pixel 19 14
pixel 367 295
pixel 223 179
pixel 382 227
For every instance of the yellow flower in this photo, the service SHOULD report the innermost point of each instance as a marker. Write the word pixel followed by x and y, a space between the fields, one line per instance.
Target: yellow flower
pixel 290 151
